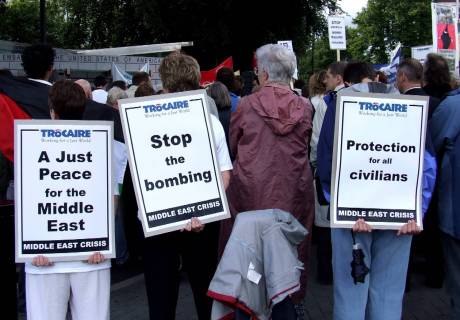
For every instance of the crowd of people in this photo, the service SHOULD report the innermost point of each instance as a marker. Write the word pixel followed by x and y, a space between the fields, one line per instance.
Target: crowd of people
pixel 274 147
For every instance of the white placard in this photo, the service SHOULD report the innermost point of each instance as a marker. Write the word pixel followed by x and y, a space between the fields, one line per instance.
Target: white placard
pixel 172 159
pixel 378 157
pixel 421 52
pixel 337 32
pixel 63 189
pixel 288 44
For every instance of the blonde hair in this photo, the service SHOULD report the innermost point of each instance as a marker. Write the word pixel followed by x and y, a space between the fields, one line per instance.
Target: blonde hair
pixel 180 72
pixel 316 83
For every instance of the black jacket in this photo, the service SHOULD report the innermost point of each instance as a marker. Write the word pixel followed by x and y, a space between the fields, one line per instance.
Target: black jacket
pixel 432 104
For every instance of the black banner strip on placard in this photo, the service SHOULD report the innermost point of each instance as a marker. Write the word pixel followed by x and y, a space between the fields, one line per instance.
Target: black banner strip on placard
pixel 65 246
pixel 181 213
pixel 375 215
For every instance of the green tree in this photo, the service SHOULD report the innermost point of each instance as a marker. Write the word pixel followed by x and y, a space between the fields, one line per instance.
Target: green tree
pixel 384 23
pixel 218 28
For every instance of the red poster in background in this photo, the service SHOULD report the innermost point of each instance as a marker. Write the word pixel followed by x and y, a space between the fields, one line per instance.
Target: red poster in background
pixel 446 36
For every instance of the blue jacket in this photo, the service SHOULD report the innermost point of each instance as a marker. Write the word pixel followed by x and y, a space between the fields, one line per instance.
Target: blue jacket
pixel 326 144
pixel 235 100
pixel 445 131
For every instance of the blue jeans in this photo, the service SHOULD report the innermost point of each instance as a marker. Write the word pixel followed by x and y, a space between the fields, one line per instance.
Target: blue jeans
pixel 380 296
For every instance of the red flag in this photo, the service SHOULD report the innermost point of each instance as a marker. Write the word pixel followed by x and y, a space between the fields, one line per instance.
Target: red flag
pixel 208 77
pixel 9 111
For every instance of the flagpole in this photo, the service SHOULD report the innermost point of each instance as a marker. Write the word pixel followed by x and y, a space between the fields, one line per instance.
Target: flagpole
pixel 338 54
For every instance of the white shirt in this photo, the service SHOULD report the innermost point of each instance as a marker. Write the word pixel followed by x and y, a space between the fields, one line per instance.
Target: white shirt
pixel 223 158
pixel 131 91
pixel 320 110
pixel 100 95
pixel 41 81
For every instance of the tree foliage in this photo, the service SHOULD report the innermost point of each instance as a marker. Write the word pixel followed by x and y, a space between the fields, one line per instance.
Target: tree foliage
pixel 376 31
pixel 384 23
pixel 218 28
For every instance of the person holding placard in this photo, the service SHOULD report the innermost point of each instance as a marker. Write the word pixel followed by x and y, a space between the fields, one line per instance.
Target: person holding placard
pixel 379 294
pixel 197 243
pixel 83 285
pixel 269 138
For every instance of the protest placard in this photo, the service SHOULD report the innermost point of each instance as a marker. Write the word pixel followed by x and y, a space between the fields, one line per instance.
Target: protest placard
pixel 337 32
pixel 172 158
pixel 63 189
pixel 420 52
pixel 378 157
pixel 445 33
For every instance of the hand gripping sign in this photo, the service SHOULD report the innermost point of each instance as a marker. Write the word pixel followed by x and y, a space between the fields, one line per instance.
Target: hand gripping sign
pixel 173 161
pixel 63 189
pixel 377 172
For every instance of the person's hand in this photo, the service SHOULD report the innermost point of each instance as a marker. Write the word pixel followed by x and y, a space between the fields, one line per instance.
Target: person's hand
pixel 194 225
pixel 96 258
pixel 409 228
pixel 41 261
pixel 361 226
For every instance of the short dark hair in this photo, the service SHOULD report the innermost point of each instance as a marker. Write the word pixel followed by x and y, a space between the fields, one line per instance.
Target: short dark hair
pixel 144 90
pixel 355 72
pixel 100 81
pixel 436 70
pixel 139 77
pixel 337 68
pixel 412 68
pixel 37 59
pixel 120 84
pixel 227 77
pixel 67 99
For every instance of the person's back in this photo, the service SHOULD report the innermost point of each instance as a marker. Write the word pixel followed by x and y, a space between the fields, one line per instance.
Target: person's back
pixel 445 133
pixel 227 77
pixel 317 89
pixel 386 252
pixel 221 96
pixel 269 138
pixel 99 94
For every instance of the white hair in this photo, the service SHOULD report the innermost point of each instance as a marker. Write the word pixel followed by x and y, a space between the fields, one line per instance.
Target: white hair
pixel 277 61
pixel 114 95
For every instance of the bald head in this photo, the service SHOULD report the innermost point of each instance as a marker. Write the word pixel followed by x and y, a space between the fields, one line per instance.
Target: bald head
pixel 86 87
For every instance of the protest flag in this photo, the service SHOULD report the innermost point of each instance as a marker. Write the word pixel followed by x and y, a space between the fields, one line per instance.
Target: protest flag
pixel 209 76
pixel 391 69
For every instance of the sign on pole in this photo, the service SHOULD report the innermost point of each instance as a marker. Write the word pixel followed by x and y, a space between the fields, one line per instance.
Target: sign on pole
pixel 172 159
pixel 63 189
pixel 337 32
pixel 445 33
pixel 420 52
pixel 378 160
